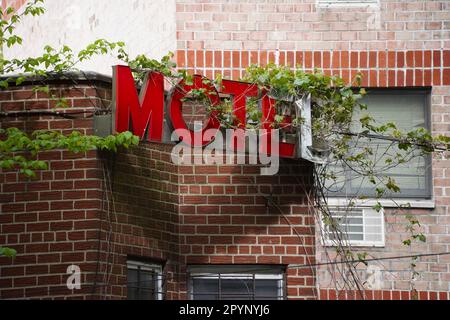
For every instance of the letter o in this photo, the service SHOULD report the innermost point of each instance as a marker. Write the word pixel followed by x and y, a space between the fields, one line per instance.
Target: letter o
pixel 176 108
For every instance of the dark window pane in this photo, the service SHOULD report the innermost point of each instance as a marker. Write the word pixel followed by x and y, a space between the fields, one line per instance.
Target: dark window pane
pixel 143 284
pixel 132 284
pixel 205 289
pixel 237 289
pixel 268 289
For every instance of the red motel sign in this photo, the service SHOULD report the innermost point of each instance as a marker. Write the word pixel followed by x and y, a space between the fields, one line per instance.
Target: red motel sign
pixel 145 112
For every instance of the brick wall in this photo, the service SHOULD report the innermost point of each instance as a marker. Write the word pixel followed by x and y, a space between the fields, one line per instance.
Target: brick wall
pixel 401 68
pixel 95 210
pixel 221 216
pixel 395 275
pixel 151 30
pixel 144 223
pixel 16 4
pixel 227 218
pixel 332 294
pixel 193 112
pixel 52 221
pixel 301 25
pixel 401 44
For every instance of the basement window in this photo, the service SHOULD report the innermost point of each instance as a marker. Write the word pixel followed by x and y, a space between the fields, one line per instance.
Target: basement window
pixel 236 283
pixel 144 281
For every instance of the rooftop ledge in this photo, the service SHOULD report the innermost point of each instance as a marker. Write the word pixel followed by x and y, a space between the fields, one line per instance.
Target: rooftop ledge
pixel 63 76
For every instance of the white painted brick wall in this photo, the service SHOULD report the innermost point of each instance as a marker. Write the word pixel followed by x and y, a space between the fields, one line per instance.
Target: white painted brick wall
pixel 146 27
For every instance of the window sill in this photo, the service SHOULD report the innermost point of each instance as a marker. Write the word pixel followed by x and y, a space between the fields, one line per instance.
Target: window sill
pixel 358 245
pixel 414 203
pixel 331 4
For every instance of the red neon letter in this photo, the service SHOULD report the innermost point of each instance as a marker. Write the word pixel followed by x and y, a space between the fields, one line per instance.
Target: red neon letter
pixel 176 109
pixel 149 108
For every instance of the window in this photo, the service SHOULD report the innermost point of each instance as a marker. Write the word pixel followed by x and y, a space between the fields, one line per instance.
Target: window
pixel 356 227
pixel 408 109
pixel 236 282
pixel 144 281
pixel 347 3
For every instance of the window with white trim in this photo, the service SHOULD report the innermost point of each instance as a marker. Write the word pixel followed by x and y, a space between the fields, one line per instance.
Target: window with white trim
pixel 347 3
pixel 236 282
pixel 409 110
pixel 144 281
pixel 355 226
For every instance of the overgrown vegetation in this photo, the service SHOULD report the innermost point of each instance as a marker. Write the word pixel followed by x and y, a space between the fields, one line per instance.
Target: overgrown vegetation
pixel 19 149
pixel 334 103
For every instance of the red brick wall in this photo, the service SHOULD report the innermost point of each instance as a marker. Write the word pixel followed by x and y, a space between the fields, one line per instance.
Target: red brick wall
pixel 145 220
pixel 399 68
pixel 332 294
pixel 226 218
pixel 64 216
pixel 52 221
pixel 178 215
pixel 213 215
pixel 400 44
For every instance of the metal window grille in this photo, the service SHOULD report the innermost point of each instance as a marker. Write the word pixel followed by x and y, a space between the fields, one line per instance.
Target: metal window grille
pixel 144 281
pixel 356 227
pixel 236 286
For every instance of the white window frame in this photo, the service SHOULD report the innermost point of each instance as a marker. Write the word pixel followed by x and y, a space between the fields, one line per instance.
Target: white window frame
pixel 359 243
pixel 347 3
pixel 152 267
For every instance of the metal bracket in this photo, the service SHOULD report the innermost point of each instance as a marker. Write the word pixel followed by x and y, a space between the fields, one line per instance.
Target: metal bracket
pixel 303 111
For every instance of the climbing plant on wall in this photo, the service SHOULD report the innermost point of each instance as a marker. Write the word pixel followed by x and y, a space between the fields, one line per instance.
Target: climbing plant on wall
pixel 19 149
pixel 334 105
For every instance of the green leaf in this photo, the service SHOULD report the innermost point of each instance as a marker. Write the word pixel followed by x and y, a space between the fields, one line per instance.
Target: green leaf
pixel 29 173
pixel 378 207
pixel 43 89
pixel 8 252
pixel 4 84
pixel 135 140
pixel 422 238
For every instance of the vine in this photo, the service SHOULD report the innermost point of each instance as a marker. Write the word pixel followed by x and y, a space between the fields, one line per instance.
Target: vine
pixel 334 103
pixel 19 149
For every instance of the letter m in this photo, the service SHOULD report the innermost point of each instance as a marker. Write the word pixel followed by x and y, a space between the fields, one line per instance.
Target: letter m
pixel 139 113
